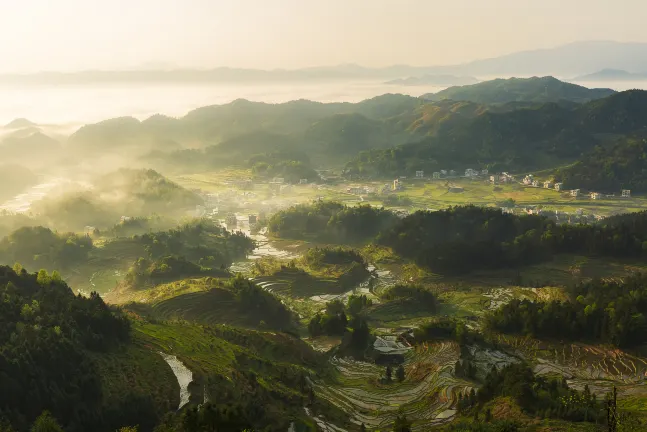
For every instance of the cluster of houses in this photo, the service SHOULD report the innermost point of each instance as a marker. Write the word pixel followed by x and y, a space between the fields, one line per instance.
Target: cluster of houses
pixel 529 180
pixel 469 173
pixel 558 216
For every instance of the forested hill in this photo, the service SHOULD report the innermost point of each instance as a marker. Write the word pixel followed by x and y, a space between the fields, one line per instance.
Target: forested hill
pixel 49 340
pixel 606 169
pixel 530 138
pixel 535 89
pixel 329 133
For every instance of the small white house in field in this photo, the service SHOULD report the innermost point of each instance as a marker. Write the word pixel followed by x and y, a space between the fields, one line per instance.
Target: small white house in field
pixel 575 193
pixel 471 172
pixel 626 193
pixel 436 175
pixel 443 172
pixel 548 184
pixel 484 172
pixel 420 174
pixel 535 183
pixel 596 195
pixel 492 179
pixel 558 186
pixel 303 181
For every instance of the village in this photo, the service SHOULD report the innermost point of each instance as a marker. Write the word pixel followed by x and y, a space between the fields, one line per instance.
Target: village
pixel 238 193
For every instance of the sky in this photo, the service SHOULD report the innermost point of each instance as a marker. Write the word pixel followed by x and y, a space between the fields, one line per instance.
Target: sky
pixel 72 35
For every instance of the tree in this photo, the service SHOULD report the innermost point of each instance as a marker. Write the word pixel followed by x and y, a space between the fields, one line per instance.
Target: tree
pixel 389 373
pixel 362 428
pixel 401 424
pixel 46 423
pixel 399 373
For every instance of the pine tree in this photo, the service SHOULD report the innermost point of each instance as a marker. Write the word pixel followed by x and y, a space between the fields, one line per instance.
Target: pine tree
pixel 46 423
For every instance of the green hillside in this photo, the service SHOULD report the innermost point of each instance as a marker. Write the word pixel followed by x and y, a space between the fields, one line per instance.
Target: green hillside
pixel 517 140
pixel 535 89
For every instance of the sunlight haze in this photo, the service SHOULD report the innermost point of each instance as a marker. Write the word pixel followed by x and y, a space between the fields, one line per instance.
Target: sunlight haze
pixel 69 35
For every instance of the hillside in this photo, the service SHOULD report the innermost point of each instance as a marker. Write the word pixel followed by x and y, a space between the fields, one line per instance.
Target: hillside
pixel 126 192
pixel 527 138
pixel 14 179
pixel 437 80
pixel 61 353
pixel 535 89
pixel 610 169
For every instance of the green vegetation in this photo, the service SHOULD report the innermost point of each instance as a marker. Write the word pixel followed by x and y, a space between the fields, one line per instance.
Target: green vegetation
pixel 550 398
pixel 462 239
pixel 40 247
pixel 330 221
pixel 598 311
pixel 609 169
pixel 544 136
pixel 49 341
pixel 535 89
pixel 200 241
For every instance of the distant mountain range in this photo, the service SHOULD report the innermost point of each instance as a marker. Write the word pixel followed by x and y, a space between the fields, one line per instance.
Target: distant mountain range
pixel 574 59
pixel 435 80
pixel 612 75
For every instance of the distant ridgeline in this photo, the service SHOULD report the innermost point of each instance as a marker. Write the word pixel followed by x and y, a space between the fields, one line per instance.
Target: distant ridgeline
pixel 502 123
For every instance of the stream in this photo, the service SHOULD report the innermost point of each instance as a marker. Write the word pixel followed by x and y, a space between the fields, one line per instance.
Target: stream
pixel 183 375
pixel 22 203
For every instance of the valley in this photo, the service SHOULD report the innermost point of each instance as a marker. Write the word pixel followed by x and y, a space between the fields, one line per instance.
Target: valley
pixel 339 267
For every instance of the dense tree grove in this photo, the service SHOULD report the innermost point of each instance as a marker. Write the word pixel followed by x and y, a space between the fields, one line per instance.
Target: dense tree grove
pixel 609 169
pixel 46 335
pixel 461 239
pixel 254 298
pixel 39 246
pixel 145 272
pixel 605 311
pixel 547 398
pixel 331 221
pixel 290 166
pixel 201 239
pixel 417 293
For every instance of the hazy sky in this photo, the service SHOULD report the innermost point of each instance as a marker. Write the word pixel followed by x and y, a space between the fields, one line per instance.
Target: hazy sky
pixel 109 34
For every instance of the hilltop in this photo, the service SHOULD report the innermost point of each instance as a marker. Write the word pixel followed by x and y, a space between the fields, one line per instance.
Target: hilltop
pixel 535 89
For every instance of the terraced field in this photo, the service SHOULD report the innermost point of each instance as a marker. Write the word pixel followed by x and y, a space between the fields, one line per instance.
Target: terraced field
pixel 427 396
pixel 598 367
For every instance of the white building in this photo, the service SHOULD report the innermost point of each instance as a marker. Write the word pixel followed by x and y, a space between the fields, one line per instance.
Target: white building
pixel 396 185
pixel 420 174
pixel 626 193
pixel 436 175
pixel 443 172
pixel 527 180
pixel 535 183
pixel 492 179
pixel 303 181
pixel 548 184
pixel 575 193
pixel 558 186
pixel 452 173
pixel 471 173
pixel 484 172
pixel 596 195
